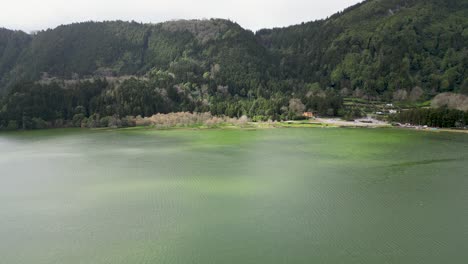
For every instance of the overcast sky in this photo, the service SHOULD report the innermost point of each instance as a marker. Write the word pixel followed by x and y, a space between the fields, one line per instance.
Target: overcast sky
pixel 31 15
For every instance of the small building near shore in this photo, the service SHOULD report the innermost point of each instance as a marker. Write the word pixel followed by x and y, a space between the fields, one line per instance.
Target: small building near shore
pixel 308 114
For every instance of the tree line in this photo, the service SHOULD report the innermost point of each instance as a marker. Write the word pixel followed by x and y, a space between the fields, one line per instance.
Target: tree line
pixel 441 117
pixel 101 102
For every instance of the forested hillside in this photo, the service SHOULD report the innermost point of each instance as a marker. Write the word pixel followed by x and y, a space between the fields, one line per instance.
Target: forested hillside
pixel 390 50
pixel 380 48
pixel 86 50
pixel 12 44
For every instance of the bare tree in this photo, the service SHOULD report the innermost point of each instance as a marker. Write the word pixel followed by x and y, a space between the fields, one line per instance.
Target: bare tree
pixel 451 100
pixel 296 106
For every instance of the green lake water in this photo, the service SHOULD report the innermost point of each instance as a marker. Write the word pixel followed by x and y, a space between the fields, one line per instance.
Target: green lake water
pixel 233 196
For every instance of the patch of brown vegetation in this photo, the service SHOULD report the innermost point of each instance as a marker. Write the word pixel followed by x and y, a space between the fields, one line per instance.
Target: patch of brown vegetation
pixel 451 101
pixel 186 119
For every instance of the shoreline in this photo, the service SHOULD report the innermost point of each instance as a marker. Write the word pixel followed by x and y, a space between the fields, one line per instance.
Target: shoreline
pixel 378 124
pixel 317 123
pixel 291 124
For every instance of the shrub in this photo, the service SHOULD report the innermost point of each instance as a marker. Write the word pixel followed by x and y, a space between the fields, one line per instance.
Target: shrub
pixel 39 123
pixel 105 121
pixel 128 121
pixel 77 120
pixel 12 125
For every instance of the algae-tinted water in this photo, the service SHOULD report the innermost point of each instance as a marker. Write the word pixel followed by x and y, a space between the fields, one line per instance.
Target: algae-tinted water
pixel 233 196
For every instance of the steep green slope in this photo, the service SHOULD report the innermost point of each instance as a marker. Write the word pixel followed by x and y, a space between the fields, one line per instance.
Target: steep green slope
pixel 378 47
pixel 12 44
pixel 120 48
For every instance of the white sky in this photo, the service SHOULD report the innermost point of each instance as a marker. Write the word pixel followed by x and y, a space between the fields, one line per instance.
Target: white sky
pixel 30 15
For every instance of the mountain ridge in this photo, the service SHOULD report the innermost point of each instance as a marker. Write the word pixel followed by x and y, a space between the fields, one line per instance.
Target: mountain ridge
pixel 384 50
pixel 52 50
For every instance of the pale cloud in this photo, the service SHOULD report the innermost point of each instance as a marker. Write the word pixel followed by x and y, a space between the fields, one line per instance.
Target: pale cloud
pixel 41 14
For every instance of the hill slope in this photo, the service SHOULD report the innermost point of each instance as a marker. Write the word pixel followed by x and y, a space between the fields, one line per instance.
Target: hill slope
pixel 121 48
pixel 376 47
pixel 379 47
pixel 390 50
pixel 12 44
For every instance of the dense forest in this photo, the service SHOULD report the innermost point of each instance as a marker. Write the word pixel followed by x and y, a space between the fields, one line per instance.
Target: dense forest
pixel 388 50
pixel 380 49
